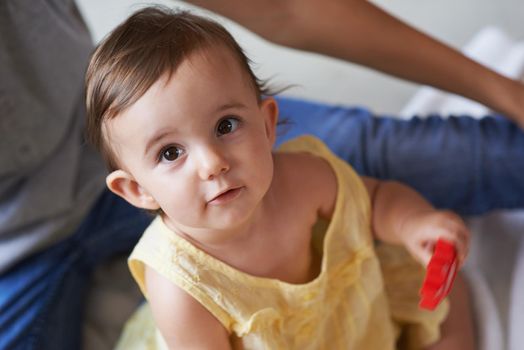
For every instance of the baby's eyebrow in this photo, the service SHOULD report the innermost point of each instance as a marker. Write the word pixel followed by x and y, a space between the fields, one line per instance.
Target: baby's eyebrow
pixel 154 139
pixel 230 106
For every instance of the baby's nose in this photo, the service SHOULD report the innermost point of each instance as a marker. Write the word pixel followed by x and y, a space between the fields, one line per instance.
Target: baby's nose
pixel 212 163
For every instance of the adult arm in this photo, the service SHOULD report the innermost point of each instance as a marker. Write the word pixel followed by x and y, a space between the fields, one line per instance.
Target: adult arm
pixel 360 32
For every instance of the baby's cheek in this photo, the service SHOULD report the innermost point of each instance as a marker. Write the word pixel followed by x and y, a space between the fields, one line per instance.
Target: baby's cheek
pixel 184 205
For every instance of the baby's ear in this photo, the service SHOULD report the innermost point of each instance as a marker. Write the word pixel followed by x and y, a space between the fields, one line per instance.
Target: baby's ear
pixel 124 185
pixel 269 108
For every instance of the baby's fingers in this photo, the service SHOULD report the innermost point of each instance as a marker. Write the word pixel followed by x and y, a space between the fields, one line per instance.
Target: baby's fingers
pixel 423 252
pixel 461 240
pixel 425 256
pixel 459 237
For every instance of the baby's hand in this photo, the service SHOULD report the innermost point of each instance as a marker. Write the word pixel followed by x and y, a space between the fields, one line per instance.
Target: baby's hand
pixel 421 231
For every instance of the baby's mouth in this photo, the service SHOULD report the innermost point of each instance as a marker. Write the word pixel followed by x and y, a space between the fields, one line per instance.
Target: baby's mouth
pixel 226 196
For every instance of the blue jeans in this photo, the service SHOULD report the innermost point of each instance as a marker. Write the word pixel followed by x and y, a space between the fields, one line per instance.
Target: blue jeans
pixel 42 299
pixel 460 163
pixel 470 166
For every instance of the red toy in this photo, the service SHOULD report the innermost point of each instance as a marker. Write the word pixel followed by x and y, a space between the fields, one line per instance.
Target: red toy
pixel 440 274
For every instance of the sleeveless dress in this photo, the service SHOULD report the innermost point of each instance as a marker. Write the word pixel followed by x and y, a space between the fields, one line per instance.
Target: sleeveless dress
pixel 365 296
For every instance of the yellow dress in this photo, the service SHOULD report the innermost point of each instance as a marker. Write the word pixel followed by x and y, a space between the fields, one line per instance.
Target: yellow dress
pixel 356 302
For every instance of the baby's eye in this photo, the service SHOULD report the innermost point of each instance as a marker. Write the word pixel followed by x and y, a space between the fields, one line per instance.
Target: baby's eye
pixel 227 125
pixel 170 153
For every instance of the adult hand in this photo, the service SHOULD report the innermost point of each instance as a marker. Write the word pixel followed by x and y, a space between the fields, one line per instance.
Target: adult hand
pixel 275 20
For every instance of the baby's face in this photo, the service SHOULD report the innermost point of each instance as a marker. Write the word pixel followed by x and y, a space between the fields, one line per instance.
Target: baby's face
pixel 199 144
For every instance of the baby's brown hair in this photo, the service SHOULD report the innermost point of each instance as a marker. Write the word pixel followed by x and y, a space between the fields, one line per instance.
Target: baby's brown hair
pixel 152 42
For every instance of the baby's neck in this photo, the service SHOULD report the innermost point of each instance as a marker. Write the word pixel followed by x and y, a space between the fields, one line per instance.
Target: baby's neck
pixel 276 240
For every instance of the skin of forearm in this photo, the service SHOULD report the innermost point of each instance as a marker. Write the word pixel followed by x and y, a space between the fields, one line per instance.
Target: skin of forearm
pixel 392 204
pixel 360 32
pixel 274 20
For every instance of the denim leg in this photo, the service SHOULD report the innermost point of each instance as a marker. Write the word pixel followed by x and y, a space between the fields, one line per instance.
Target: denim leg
pixel 42 299
pixel 470 166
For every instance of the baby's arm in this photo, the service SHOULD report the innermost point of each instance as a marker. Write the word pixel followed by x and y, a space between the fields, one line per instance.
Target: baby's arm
pixel 183 322
pixel 401 216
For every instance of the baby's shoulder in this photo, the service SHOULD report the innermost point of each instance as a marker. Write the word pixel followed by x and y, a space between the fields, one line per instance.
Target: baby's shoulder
pixel 305 166
pixel 308 178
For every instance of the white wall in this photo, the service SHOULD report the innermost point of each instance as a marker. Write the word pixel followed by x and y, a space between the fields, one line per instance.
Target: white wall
pixel 321 78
